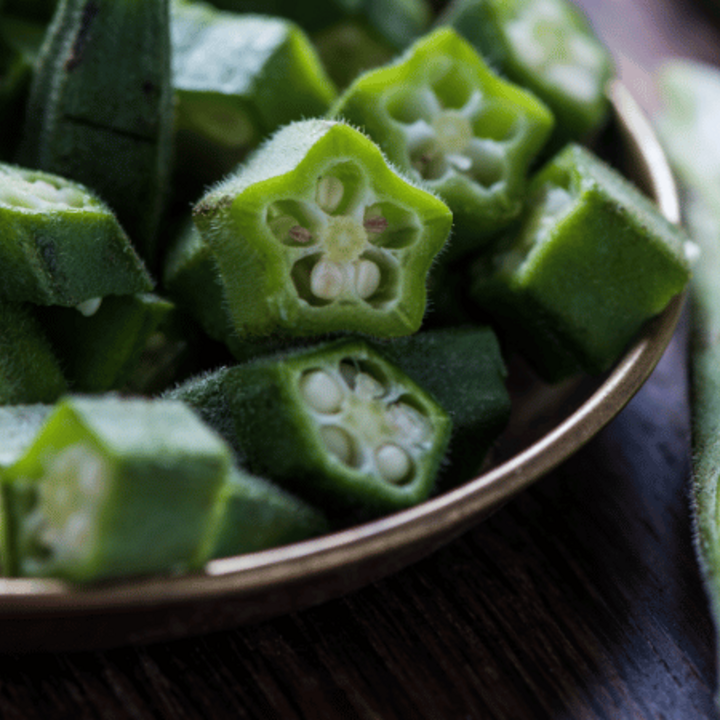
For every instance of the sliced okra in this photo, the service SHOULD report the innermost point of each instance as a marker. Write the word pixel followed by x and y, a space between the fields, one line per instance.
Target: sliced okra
pixel 237 78
pixel 29 370
pixel 100 108
pixel 464 370
pixel 61 244
pixel 442 116
pixel 338 425
pixel 112 488
pixel 99 351
pixel 254 514
pixel 547 46
pixel 590 262
pixel 316 234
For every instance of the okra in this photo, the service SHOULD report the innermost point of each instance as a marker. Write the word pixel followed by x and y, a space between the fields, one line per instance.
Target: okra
pixel 591 260
pixel 464 370
pixel 112 488
pixel 29 370
pixel 61 244
pixel 337 424
pixel 236 79
pixel 99 352
pixel 254 514
pixel 316 233
pixel 442 116
pixel 547 46
pixel 19 424
pixel 100 107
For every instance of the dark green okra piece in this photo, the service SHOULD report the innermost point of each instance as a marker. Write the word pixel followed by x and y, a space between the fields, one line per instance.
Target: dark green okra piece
pixel 463 369
pixel 100 107
pixel 19 424
pixel 317 234
pixel 547 46
pixel 254 514
pixel 29 370
pixel 591 260
pixel 61 244
pixel 336 424
pixel 113 488
pixel 236 79
pixel 442 116
pixel 99 352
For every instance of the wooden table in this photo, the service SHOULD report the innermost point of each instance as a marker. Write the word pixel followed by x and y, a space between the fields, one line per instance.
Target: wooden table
pixel 579 599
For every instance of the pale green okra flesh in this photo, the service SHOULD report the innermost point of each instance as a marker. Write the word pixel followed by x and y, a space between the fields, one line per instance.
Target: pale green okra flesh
pixel 316 234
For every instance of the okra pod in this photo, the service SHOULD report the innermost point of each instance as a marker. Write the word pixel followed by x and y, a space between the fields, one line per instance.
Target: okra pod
pixel 591 260
pixel 442 116
pixel 316 233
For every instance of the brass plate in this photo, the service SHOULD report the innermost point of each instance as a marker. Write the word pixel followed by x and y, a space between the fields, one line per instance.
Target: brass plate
pixel 49 615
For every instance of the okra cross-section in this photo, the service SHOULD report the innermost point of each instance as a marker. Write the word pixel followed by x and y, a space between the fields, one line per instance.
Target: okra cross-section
pixel 316 233
pixel 590 262
pixel 337 424
pixel 61 245
pixel 441 115
pixel 113 487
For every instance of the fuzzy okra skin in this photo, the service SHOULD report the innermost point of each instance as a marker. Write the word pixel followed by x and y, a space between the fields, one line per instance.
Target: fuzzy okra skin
pixel 113 487
pixel 61 244
pixel 100 107
pixel 336 424
pixel 443 117
pixel 29 370
pixel 316 233
pixel 236 79
pixel 99 352
pixel 591 260
pixel 546 46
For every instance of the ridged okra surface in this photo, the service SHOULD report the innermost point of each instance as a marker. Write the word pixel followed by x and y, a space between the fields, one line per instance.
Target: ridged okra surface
pixel 441 115
pixel 336 424
pixel 316 234
pixel 61 245
pixel 547 46
pixel 112 488
pixel 590 262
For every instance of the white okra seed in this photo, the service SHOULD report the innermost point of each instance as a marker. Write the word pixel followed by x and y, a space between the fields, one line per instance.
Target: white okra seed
pixel 393 463
pixel 321 391
pixel 338 442
pixel 367 387
pixel 300 234
pixel 367 278
pixel 410 423
pixel 330 191
pixel 327 280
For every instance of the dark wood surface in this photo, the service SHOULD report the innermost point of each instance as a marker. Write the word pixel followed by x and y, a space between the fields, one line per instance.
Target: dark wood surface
pixel 579 599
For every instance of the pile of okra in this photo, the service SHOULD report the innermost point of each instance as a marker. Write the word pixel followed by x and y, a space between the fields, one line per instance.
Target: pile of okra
pixel 260 274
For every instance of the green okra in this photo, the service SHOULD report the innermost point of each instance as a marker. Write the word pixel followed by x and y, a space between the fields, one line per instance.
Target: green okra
pixel 254 514
pixel 236 79
pixel 464 370
pixel 19 424
pixel 316 233
pixel 112 488
pixel 336 424
pixel 61 244
pixel 29 370
pixel 99 352
pixel 100 107
pixel 591 260
pixel 547 46
pixel 442 116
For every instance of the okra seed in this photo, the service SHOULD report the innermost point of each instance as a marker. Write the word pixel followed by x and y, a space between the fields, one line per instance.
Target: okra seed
pixel 89 307
pixel 367 387
pixel 367 278
pixel 327 280
pixel 461 163
pixel 321 391
pixel 375 224
pixel 300 234
pixel 338 442
pixel 393 463
pixel 330 191
pixel 409 422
